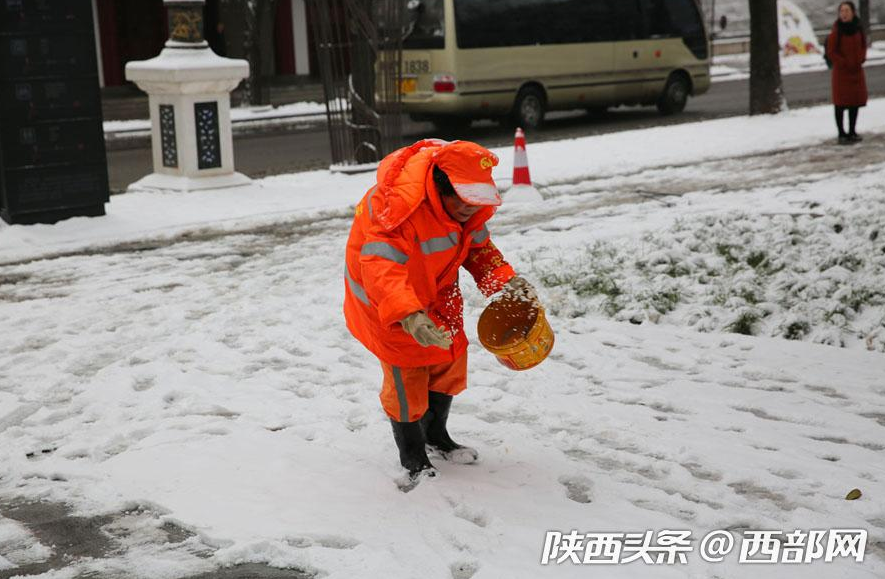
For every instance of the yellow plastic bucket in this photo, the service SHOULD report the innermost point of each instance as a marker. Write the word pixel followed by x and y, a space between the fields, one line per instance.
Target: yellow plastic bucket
pixel 516 332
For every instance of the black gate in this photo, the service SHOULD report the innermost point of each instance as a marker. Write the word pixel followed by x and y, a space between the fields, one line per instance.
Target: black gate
pixel 359 48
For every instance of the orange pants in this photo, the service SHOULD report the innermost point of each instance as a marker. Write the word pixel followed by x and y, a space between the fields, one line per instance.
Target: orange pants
pixel 404 390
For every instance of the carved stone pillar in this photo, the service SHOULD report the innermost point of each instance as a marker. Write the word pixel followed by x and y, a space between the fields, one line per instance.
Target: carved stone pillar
pixel 189 88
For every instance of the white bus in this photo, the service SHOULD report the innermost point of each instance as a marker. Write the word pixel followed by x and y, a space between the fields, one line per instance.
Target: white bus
pixel 517 59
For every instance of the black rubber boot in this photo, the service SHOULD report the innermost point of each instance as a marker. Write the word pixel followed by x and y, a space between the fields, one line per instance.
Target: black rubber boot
pixel 410 442
pixel 434 423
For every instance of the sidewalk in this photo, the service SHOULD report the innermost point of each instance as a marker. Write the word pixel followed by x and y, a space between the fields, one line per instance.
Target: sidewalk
pixel 140 217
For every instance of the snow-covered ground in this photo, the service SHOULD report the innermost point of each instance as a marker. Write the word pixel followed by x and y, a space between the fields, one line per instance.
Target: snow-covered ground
pixel 143 216
pixel 188 374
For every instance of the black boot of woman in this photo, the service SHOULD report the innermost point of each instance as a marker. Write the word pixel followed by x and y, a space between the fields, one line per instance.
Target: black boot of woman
pixel 840 124
pixel 852 124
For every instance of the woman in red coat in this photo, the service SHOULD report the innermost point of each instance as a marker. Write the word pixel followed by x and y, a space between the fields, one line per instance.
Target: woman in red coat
pixel 847 50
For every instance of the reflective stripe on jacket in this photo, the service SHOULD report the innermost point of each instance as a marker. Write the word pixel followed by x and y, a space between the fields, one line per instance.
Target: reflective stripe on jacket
pixel 403 255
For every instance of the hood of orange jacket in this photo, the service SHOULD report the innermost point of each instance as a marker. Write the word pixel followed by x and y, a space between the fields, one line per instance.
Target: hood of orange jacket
pixel 402 183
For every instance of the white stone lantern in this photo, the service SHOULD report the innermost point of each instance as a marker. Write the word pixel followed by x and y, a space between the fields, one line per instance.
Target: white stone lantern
pixel 189 88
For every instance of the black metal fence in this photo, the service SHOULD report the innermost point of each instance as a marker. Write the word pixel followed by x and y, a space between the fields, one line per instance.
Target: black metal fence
pixel 359 48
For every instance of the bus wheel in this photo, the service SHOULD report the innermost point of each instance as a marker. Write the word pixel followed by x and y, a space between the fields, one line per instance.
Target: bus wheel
pixel 675 95
pixel 528 109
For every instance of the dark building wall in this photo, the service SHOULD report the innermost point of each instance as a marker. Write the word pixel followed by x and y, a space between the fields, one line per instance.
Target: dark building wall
pixel 129 31
pixel 136 30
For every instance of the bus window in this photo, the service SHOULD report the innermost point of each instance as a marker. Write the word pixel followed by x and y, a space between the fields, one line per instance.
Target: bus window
pixel 484 24
pixel 675 19
pixel 427 25
pixel 627 20
pixel 687 23
pixel 487 23
pixel 595 21
pixel 655 19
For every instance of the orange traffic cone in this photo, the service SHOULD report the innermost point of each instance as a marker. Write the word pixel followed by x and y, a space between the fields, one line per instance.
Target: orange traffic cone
pixel 522 190
pixel 520 160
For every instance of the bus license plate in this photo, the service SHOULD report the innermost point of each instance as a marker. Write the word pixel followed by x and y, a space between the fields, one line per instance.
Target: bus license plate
pixel 408 85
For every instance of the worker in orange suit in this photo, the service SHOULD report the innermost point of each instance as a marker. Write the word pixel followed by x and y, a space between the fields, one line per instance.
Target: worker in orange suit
pixel 424 219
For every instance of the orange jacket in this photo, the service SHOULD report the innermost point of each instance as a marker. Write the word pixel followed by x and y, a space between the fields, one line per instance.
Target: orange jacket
pixel 403 255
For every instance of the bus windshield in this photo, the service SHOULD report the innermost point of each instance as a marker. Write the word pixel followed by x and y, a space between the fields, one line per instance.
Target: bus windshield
pixel 425 26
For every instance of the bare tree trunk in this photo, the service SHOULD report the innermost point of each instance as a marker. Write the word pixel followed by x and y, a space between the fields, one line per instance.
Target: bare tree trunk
pixel 766 89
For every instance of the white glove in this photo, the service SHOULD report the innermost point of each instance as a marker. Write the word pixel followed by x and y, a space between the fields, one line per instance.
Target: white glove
pixel 520 289
pixel 425 332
